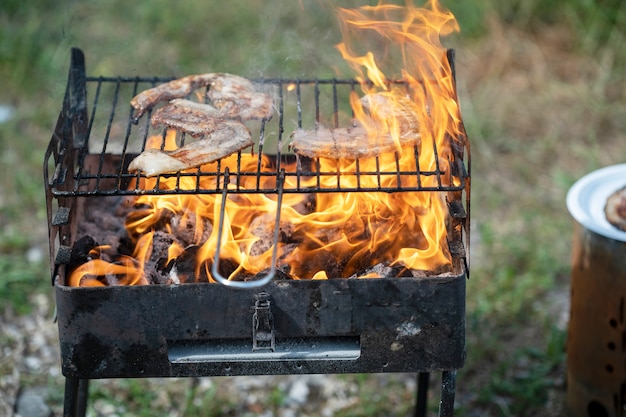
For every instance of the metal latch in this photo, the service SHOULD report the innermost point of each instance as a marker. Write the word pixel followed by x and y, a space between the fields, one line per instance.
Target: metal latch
pixel 262 324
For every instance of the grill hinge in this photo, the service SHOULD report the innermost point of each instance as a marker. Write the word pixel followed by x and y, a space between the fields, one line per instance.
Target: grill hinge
pixel 457 211
pixel 63 255
pixel 456 249
pixel 61 217
pixel 263 337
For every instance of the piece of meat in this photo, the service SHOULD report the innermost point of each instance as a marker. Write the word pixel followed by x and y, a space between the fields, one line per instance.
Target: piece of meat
pixel 383 113
pixel 178 88
pixel 196 119
pixel 236 98
pixel 388 107
pixel 615 209
pixel 229 137
pixel 234 94
pixel 348 143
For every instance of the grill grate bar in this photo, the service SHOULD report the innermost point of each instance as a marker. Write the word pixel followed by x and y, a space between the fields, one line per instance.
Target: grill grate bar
pixel 107 135
pixel 359 175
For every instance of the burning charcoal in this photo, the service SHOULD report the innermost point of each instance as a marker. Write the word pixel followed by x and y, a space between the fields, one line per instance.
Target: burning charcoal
pixel 164 266
pixel 82 252
pixel 227 267
pixel 307 205
pixel 245 277
pixel 263 228
pixel 284 253
pixel 126 246
pixel 100 220
pixel 161 242
pixel 380 270
pixel 110 280
pixel 158 276
pixel 305 264
pixel 184 268
pixel 279 276
pixel 445 270
pixel 186 229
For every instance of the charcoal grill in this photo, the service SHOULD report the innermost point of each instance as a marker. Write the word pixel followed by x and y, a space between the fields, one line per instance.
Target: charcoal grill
pixel 282 327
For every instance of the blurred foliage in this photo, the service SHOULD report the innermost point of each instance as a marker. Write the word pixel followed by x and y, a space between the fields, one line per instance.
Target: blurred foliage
pixel 19 282
pixel 520 386
pixel 286 38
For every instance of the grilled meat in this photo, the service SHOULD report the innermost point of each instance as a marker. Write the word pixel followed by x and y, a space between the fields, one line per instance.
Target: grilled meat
pixel 348 143
pixel 386 113
pixel 392 110
pixel 218 124
pixel 229 137
pixel 235 95
pixel 236 98
pixel 615 209
pixel 187 116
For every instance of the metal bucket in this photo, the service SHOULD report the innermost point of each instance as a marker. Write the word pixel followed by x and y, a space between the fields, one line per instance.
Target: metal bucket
pixel 596 342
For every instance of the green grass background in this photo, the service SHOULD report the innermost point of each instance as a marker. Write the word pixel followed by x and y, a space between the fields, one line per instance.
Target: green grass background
pixel 543 97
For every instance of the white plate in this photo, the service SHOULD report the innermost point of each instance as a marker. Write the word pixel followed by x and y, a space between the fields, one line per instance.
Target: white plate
pixel 587 198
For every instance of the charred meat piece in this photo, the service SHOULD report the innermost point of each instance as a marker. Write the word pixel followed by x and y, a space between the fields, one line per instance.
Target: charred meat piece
pixel 229 137
pixel 348 143
pixel 234 94
pixel 187 116
pixel 615 209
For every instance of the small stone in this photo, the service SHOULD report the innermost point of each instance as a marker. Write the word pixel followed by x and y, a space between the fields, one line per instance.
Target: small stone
pixel 299 392
pixel 31 403
pixel 32 363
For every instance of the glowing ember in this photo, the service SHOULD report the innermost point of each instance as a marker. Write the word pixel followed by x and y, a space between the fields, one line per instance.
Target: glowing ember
pixel 332 234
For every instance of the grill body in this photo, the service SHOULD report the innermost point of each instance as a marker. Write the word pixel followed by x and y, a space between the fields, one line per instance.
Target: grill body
pixel 285 327
pixel 331 326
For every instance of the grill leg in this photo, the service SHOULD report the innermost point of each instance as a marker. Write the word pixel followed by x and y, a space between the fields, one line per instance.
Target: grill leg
pixel 422 394
pixel 448 388
pixel 75 399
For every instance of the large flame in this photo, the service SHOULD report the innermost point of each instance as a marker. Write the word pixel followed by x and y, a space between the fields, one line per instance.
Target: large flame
pixel 344 233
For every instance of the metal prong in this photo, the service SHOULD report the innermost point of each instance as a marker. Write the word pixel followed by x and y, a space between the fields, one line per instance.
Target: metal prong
pixel 272 272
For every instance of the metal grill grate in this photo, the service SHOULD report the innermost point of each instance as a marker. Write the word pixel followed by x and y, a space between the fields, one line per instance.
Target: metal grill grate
pixel 107 139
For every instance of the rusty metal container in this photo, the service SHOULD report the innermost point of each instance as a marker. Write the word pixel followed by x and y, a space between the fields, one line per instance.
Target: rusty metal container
pixel 596 342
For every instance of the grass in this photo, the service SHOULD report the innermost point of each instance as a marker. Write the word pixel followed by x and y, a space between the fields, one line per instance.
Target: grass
pixel 542 93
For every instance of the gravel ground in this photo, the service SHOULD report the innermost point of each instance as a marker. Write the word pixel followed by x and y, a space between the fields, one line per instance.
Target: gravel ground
pixel 30 353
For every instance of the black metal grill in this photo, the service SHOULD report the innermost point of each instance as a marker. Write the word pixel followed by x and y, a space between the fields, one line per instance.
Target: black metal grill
pixel 287 327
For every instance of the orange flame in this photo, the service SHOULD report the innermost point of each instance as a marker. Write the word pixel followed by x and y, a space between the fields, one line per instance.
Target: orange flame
pixel 352 231
pixel 414 35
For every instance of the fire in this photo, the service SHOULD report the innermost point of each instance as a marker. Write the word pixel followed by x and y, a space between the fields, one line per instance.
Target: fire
pixel 344 233
pixel 127 269
pixel 415 35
